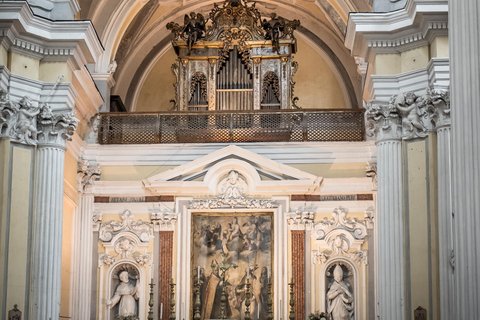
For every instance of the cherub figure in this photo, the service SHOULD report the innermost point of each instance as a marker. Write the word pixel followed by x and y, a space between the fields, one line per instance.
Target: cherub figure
pixel 8 113
pixel 26 129
pixel 273 28
pixel 409 106
pixel 194 28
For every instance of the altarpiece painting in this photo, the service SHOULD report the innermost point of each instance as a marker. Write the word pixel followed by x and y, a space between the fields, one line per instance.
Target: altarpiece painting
pixel 226 250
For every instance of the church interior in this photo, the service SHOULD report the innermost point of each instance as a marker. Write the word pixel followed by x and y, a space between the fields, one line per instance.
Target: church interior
pixel 239 159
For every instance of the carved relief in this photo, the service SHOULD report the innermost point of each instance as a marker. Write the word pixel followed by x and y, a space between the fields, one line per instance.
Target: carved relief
pixel 93 125
pixel 320 257
pixel 357 228
pixel 143 230
pixel 438 106
pixel 382 120
pixel 18 120
pixel 56 128
pixel 86 175
pixel 300 220
pixel 232 189
pixel 371 170
pixel 411 109
pixel 8 114
pixel 339 245
pixel 164 220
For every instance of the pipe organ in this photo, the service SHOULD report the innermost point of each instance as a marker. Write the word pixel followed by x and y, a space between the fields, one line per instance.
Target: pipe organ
pixel 234 60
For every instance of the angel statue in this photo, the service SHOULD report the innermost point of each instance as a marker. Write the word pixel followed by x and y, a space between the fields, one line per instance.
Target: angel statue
pixel 194 28
pixel 273 28
pixel 409 107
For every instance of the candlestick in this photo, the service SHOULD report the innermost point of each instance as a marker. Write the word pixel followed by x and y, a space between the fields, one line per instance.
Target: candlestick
pixel 247 301
pixel 150 302
pixel 172 301
pixel 292 302
pixel 198 273
pixel 197 303
pixel 258 312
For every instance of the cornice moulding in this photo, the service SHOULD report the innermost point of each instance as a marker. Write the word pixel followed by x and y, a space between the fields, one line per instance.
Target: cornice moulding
pixel 38 36
pixel 179 154
pixel 415 25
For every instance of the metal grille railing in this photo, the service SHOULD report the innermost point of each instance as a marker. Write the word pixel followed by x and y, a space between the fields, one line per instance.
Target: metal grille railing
pixel 239 126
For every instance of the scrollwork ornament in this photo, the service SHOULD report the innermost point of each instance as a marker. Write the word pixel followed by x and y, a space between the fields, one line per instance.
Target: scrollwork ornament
pixel 320 257
pixel 383 122
pixel 340 221
pixel 438 106
pixel 144 230
pixel 106 259
pixel 55 128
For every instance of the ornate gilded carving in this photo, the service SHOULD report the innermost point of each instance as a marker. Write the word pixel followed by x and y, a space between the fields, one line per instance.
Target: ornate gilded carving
pixel 199 77
pixel 271 78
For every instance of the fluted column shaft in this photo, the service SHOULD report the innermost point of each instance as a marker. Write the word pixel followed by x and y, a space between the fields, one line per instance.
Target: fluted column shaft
pixel 46 258
pixel 445 222
pixel 390 230
pixel 83 264
pixel 464 18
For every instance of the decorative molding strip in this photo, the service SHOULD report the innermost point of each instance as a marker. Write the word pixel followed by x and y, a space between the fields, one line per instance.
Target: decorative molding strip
pixel 101 199
pixel 340 197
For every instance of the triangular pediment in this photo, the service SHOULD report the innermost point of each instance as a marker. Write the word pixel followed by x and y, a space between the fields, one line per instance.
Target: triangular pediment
pixel 262 175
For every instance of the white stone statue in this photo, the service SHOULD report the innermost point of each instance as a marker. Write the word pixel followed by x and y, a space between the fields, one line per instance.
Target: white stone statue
pixel 340 299
pixel 410 108
pixel 26 127
pixel 126 293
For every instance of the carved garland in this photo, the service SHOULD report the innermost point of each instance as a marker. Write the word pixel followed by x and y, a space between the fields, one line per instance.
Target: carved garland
pixel 199 77
pixel 271 78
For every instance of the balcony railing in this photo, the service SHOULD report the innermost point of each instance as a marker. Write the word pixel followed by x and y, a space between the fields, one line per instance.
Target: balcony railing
pixel 230 127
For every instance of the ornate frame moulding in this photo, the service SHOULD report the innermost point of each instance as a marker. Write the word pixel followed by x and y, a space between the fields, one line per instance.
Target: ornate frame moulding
pixel 142 229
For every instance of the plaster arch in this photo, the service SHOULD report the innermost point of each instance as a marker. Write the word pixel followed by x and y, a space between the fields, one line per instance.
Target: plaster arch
pixel 131 75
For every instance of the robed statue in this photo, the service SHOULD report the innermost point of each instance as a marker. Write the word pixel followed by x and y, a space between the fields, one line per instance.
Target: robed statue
pixel 340 299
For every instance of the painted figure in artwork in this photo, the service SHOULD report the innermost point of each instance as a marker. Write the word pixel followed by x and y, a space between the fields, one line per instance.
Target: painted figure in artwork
pixel 125 294
pixel 340 299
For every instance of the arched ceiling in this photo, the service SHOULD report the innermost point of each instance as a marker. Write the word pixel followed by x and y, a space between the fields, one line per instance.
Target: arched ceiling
pixel 134 33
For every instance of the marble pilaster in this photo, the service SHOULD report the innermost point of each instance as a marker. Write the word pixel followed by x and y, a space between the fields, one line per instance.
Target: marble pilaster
pixel 86 175
pixel 46 249
pixel 464 45
pixel 387 128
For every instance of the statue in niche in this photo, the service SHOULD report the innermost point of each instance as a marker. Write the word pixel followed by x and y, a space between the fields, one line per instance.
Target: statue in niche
pixel 340 298
pixel 194 28
pixel 233 187
pixel 409 107
pixel 125 295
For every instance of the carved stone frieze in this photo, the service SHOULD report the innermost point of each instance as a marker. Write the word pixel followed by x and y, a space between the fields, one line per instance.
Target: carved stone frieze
pixel 106 259
pixel 164 220
pixel 371 171
pixel 144 230
pixel 320 257
pixel 359 257
pixel 383 122
pixel 143 259
pixel 357 228
pixel 300 220
pixel 438 106
pixel 87 174
pixel 55 128
pixel 18 120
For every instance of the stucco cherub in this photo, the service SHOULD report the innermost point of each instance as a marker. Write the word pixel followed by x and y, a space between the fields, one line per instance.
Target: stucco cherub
pixel 26 128
pixel 410 109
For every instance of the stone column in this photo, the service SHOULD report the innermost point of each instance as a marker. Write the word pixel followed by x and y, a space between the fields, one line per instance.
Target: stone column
pixel 465 84
pixel 391 286
pixel 82 295
pixel 46 243
pixel 438 102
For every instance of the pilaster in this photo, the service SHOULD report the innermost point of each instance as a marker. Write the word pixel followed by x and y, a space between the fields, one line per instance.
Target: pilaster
pixel 386 125
pixel 46 252
pixel 465 79
pixel 87 173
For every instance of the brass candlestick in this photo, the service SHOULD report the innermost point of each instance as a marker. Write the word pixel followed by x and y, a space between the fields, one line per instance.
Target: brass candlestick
pixel 292 301
pixel 150 302
pixel 197 304
pixel 172 301
pixel 247 300
pixel 270 301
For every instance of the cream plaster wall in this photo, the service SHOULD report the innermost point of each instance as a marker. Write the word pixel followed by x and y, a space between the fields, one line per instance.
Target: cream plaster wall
pixel 50 71
pixel 18 231
pixel 415 59
pixel 158 89
pixel 70 177
pixel 439 47
pixel 418 226
pixel 24 66
pixel 69 208
pixel 3 56
pixel 4 174
pixel 388 63
pixel 131 173
pixel 316 83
